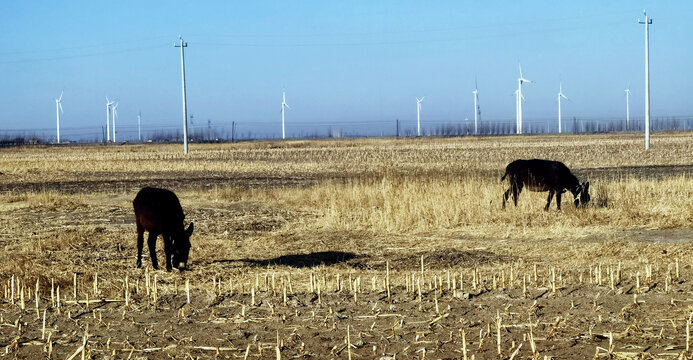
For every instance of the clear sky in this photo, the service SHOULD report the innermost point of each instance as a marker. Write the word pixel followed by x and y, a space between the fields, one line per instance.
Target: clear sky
pixel 349 61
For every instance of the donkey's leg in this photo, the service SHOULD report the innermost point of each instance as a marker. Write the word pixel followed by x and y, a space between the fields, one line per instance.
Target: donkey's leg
pixel 506 195
pixel 548 201
pixel 151 241
pixel 558 200
pixel 517 189
pixel 168 250
pixel 140 244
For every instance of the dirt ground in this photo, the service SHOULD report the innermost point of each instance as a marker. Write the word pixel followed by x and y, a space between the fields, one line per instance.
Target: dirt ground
pixel 572 323
pixel 261 289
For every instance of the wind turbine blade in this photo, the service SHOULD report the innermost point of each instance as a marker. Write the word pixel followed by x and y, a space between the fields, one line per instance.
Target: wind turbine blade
pixel 61 96
pixel 287 106
pixel 475 84
pixel 61 107
pixel 520 67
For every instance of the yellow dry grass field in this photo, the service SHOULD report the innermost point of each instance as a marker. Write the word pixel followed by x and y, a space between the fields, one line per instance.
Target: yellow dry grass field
pixel 351 249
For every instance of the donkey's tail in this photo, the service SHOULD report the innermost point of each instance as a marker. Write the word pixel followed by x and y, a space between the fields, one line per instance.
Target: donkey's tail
pixel 503 178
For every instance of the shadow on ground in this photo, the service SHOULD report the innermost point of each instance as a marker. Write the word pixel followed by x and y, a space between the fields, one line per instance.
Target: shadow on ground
pixel 436 259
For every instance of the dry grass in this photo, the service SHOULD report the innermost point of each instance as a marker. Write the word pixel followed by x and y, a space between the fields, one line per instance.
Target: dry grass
pixel 277 208
pixel 472 206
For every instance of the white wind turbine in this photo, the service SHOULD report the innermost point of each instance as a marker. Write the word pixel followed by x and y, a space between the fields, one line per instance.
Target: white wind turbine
pixel 418 116
pixel 115 114
pixel 627 109
pixel 520 98
pixel 108 119
pixel 560 95
pixel 284 105
pixel 477 110
pixel 58 110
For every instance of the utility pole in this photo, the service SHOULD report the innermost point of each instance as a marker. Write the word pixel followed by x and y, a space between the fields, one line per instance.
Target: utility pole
pixel 647 23
pixel 182 46
pixel 139 127
pixel 397 127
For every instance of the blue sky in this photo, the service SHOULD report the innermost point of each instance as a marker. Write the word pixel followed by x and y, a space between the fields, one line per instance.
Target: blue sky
pixel 340 62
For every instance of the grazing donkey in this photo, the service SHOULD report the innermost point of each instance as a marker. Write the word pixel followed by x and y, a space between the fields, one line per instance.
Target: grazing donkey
pixel 158 211
pixel 544 175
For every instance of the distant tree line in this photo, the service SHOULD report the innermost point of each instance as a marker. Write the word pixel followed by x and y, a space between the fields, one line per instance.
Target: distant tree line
pixel 250 131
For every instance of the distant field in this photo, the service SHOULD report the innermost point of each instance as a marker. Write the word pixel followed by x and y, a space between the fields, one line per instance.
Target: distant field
pixel 402 241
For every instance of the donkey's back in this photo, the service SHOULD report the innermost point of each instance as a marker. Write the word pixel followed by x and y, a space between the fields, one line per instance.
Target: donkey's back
pixel 540 175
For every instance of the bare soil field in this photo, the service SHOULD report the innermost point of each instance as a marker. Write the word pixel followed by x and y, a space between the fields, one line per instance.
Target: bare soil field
pixel 350 249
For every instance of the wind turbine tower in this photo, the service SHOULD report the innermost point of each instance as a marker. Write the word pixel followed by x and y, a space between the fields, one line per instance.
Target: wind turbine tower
pixel 647 23
pixel 560 95
pixel 477 110
pixel 58 110
pixel 627 109
pixel 418 116
pixel 139 128
pixel 284 105
pixel 115 114
pixel 108 119
pixel 520 98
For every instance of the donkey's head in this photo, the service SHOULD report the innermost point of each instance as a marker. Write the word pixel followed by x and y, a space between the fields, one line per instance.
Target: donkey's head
pixel 581 192
pixel 181 247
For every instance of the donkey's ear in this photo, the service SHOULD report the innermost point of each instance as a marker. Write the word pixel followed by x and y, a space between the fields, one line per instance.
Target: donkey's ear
pixel 586 186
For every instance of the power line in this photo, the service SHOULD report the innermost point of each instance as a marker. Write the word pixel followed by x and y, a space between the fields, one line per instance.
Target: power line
pixel 400 42
pixel 81 55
